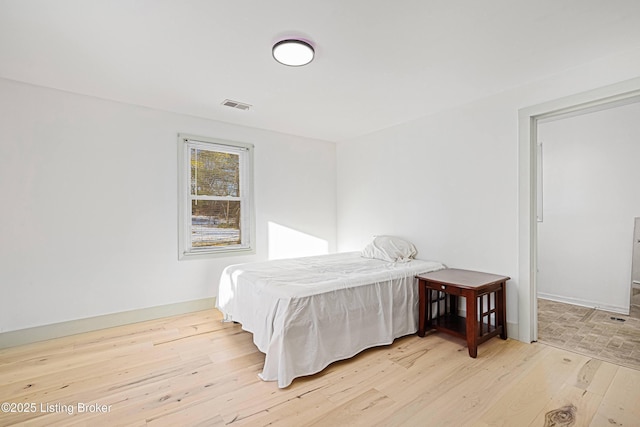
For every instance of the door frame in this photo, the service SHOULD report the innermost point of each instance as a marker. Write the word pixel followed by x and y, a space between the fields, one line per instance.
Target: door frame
pixel 528 118
pixel 635 260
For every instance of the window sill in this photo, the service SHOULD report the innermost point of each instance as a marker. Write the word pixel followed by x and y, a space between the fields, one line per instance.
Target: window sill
pixel 206 254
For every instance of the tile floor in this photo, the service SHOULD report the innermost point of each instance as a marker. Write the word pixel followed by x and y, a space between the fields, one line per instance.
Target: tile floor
pixel 600 334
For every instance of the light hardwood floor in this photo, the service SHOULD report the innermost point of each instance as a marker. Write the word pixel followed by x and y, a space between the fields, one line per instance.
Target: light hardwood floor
pixel 194 370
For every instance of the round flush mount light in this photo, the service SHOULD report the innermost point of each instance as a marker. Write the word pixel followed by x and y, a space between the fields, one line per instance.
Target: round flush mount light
pixel 293 52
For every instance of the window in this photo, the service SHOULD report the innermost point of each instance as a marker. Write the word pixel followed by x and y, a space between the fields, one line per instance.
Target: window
pixel 216 203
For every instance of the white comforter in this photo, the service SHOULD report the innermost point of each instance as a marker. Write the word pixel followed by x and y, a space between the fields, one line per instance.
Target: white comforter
pixel 306 313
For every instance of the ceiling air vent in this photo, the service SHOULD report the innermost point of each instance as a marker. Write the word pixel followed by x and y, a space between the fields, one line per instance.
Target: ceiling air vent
pixel 236 104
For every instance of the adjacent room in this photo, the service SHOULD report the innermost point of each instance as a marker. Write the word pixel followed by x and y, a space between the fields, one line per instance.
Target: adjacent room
pixel 587 169
pixel 165 170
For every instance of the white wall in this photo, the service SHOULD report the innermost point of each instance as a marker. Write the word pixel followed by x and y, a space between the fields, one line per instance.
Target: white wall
pixel 71 248
pixel 591 197
pixel 88 224
pixel 449 182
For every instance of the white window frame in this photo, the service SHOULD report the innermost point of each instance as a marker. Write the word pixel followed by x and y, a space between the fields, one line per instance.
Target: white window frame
pixel 247 220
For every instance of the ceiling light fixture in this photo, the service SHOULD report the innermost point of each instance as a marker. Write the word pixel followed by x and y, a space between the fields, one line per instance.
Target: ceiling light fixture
pixel 293 52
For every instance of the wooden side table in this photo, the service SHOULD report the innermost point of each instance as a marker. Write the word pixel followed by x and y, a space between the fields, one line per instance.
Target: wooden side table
pixel 485 297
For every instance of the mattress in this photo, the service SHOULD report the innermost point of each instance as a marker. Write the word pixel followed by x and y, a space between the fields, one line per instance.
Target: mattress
pixel 305 313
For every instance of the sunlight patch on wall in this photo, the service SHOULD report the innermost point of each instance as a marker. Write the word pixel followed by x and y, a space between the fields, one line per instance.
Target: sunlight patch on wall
pixel 285 242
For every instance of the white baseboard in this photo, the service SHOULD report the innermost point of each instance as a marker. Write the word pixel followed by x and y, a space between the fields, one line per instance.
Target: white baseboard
pixel 57 330
pixel 585 303
pixel 513 331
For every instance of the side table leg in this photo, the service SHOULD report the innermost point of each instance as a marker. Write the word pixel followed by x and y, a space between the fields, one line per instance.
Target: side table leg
pixel 422 308
pixel 502 310
pixel 472 324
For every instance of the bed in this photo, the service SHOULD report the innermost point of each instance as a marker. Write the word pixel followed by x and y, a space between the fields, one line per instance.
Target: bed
pixel 305 313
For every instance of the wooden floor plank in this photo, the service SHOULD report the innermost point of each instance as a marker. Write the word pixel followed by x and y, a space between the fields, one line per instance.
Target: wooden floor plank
pixel 195 370
pixel 479 384
pixel 363 410
pixel 579 398
pixel 570 406
pixel 524 400
pixel 620 405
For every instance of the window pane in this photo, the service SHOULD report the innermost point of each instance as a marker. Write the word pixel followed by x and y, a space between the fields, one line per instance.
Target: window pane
pixel 214 173
pixel 216 215
pixel 215 223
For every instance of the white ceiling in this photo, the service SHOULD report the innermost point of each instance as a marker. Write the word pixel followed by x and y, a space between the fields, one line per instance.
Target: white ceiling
pixel 378 62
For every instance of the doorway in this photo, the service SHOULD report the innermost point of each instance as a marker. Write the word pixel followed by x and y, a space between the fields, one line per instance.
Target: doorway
pixel 588 179
pixel 624 92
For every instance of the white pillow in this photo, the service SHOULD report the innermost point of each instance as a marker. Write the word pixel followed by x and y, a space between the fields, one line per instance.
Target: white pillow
pixel 390 248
